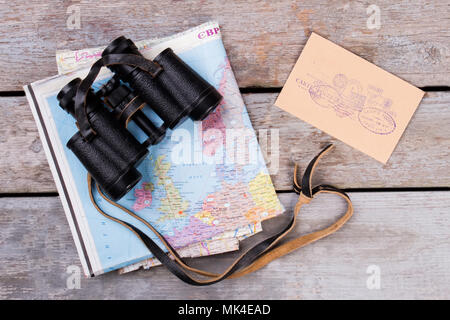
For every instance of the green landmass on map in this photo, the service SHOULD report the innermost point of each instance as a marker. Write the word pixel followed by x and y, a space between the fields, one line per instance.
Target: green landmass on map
pixel 173 205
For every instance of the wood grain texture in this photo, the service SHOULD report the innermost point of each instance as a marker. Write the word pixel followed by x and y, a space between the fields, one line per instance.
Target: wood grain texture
pixel 404 234
pixel 23 165
pixel 421 158
pixel 263 39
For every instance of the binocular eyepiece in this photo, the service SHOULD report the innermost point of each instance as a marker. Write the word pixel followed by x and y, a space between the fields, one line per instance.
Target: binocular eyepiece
pixel 173 93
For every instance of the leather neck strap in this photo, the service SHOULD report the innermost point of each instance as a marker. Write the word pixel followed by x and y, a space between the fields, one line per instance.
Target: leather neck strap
pixel 133 60
pixel 253 258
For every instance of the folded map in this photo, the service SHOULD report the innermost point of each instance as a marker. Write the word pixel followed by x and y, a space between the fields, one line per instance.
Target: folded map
pixel 204 187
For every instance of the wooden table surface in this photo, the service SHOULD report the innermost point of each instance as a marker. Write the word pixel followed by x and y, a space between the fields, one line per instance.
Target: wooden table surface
pixel 400 233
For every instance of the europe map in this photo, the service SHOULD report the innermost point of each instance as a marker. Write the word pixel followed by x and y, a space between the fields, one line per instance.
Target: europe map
pixel 205 186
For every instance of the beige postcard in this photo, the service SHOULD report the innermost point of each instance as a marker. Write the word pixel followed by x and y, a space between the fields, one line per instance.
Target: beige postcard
pixel 349 98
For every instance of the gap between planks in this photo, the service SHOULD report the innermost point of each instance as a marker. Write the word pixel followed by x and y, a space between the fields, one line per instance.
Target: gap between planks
pixel 242 90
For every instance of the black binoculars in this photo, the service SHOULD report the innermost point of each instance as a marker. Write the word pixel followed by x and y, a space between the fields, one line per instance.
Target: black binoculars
pixel 173 92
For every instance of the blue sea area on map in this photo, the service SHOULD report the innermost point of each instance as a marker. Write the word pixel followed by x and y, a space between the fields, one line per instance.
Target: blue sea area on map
pixel 117 246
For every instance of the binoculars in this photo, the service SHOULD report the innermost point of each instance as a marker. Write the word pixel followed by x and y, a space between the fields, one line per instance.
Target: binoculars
pixel 173 92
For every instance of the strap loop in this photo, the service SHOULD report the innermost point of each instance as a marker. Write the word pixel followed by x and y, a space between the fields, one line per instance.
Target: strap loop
pixel 134 60
pixel 81 115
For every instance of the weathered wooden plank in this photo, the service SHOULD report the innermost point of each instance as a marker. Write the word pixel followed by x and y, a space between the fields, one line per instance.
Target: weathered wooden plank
pixel 420 159
pixel 23 165
pixel 403 235
pixel 263 39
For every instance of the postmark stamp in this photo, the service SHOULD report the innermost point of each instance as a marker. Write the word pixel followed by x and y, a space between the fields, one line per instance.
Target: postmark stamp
pixel 348 98
pixel 324 95
pixel 376 121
